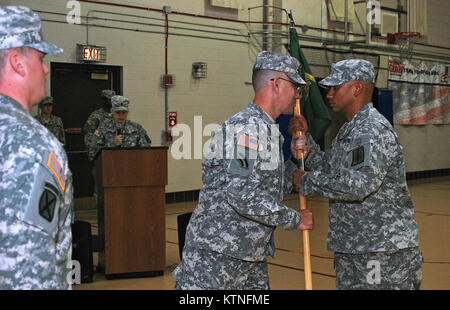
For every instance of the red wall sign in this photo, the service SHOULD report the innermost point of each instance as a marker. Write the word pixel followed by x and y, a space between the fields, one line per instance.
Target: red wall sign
pixel 173 118
pixel 91 53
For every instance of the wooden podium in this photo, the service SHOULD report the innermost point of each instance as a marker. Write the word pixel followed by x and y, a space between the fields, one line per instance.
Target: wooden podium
pixel 131 211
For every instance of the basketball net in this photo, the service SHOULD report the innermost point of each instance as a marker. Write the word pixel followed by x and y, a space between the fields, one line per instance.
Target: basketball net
pixel 405 42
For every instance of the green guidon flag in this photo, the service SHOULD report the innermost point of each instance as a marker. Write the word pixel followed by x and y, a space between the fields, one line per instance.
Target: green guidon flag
pixel 313 108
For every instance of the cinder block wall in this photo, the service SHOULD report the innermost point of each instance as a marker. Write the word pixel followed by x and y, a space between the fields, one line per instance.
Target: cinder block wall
pixel 229 57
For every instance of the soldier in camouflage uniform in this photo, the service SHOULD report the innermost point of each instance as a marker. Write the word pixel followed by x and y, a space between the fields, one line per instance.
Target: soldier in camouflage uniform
pixel 52 122
pixel 373 230
pixel 97 117
pixel 118 131
pixel 230 233
pixel 35 180
pixel 92 124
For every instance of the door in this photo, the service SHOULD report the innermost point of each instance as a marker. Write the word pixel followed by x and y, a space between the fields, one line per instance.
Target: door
pixel 385 104
pixel 76 91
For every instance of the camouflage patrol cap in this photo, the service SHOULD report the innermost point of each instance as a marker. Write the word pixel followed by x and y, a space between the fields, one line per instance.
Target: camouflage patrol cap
pixel 46 101
pixel 20 26
pixel 108 93
pixel 120 103
pixel 266 60
pixel 349 70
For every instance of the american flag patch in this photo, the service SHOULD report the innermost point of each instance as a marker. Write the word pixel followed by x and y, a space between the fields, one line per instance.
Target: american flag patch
pixel 55 167
pixel 248 142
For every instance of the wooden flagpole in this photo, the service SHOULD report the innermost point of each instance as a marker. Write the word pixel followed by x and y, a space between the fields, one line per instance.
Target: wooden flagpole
pixel 305 233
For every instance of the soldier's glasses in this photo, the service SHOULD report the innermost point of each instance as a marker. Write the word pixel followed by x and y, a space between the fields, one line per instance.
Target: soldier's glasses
pixel 297 87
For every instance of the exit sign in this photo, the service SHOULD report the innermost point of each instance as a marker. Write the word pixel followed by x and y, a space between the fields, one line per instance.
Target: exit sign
pixel 91 53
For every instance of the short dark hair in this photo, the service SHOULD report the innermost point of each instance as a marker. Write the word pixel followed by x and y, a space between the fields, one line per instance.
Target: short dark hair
pixel 260 78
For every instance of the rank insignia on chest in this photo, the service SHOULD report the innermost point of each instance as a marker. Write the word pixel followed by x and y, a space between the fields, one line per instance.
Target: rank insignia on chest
pixel 55 167
pixel 248 142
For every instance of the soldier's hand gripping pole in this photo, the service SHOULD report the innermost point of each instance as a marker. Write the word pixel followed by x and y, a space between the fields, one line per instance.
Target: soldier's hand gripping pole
pixel 305 233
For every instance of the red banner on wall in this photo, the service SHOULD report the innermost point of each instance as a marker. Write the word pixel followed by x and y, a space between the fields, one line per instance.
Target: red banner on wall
pixel 421 92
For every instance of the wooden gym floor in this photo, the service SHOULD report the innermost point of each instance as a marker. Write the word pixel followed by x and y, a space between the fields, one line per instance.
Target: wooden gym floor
pixel 431 199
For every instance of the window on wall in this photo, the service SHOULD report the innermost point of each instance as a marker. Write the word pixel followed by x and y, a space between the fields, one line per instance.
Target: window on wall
pixel 336 10
pixel 418 16
pixel 391 16
pixel 231 4
pixel 383 16
pixel 219 9
pixel 400 16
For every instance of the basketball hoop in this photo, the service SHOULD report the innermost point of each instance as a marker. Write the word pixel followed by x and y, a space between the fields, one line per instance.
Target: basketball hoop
pixel 405 42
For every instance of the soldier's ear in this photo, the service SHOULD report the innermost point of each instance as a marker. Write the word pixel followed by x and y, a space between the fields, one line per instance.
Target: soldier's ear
pixel 275 85
pixel 17 62
pixel 357 88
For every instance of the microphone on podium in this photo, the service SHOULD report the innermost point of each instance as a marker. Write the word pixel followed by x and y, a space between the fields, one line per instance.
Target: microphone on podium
pixel 119 129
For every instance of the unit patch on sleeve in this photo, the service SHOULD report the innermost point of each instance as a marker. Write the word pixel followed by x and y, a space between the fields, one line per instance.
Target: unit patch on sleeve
pixel 47 205
pixel 245 154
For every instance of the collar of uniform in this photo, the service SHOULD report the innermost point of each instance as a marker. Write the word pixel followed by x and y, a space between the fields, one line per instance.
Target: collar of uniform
pixel 267 119
pixel 361 115
pixel 111 120
pixel 44 120
pixel 263 114
pixel 8 100
pixel 115 124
